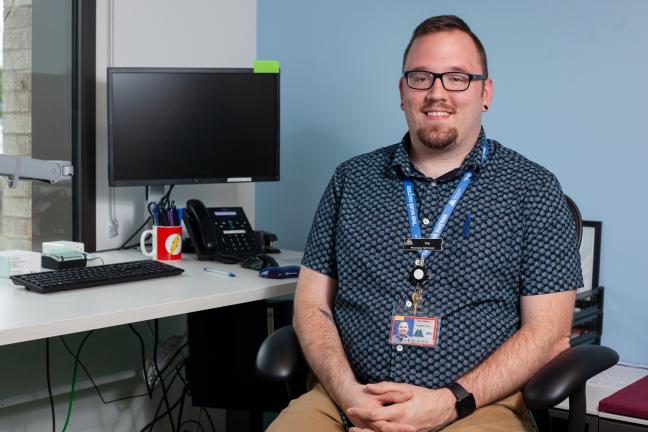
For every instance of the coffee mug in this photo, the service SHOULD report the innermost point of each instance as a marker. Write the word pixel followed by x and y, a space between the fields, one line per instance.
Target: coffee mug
pixel 166 242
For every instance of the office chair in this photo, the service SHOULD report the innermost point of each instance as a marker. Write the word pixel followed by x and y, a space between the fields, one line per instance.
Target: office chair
pixel 280 359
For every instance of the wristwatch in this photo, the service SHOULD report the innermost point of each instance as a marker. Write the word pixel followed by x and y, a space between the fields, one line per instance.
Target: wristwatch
pixel 465 404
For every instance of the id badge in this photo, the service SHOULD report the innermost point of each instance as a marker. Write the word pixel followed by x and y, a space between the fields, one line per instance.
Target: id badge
pixel 421 329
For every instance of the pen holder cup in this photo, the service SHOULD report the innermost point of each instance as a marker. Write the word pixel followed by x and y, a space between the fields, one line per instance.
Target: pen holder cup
pixel 166 241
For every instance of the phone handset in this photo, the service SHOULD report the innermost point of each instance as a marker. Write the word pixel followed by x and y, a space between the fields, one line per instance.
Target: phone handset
pixel 199 226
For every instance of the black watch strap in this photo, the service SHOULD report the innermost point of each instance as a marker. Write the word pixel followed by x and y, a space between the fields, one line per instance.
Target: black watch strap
pixel 465 404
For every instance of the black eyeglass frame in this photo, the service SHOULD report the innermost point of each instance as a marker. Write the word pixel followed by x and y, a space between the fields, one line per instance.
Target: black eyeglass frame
pixel 471 78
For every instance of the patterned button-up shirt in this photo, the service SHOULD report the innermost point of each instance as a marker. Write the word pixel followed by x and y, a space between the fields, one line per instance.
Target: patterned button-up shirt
pixel 510 235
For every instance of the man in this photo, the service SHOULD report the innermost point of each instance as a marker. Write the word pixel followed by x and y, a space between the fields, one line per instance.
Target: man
pixel 402 334
pixel 452 230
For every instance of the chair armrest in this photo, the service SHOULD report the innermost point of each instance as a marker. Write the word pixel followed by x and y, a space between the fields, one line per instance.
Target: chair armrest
pixel 559 378
pixel 279 358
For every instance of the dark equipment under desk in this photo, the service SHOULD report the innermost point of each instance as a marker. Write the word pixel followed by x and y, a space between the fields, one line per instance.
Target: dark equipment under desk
pixel 223 344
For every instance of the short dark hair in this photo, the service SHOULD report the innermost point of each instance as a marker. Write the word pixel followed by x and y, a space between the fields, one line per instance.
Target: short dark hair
pixel 446 23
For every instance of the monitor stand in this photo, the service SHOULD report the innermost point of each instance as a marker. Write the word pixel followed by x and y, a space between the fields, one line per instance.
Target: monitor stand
pixel 154 194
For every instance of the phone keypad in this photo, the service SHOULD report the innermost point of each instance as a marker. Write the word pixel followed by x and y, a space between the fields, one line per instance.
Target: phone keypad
pixel 237 236
pixel 239 243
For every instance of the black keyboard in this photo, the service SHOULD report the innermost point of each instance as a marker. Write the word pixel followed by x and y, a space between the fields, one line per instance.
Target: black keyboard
pixel 107 274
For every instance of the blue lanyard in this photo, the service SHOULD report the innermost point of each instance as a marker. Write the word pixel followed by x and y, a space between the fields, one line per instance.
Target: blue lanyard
pixel 412 209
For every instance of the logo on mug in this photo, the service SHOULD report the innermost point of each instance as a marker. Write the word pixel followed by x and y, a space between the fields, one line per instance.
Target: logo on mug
pixel 173 244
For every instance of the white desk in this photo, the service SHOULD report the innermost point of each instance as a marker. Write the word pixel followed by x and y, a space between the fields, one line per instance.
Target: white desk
pixel 26 316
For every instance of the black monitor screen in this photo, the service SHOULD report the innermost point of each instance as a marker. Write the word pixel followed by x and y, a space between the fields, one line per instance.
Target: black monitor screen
pixel 181 126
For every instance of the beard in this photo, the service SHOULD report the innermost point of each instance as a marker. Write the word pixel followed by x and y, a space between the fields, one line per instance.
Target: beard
pixel 436 138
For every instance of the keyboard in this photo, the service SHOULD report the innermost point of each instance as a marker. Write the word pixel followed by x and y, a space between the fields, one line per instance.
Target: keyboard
pixel 86 277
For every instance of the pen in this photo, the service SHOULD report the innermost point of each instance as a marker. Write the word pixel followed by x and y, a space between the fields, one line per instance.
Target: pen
pixel 466 227
pixel 219 272
pixel 180 215
pixel 156 212
pixel 170 218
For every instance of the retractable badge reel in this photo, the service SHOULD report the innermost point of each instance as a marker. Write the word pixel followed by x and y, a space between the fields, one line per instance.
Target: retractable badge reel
pixel 411 323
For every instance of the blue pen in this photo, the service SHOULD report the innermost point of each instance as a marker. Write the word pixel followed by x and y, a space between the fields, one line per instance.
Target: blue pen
pixel 466 227
pixel 180 215
pixel 156 212
pixel 219 272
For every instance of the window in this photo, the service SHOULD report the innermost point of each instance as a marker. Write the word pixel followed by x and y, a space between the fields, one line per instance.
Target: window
pixel 44 71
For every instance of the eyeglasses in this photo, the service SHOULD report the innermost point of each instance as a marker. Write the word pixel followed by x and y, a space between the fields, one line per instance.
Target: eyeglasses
pixel 452 81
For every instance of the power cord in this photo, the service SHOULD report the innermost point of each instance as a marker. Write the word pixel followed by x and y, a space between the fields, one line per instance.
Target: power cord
pixel 94 384
pixel 96 387
pixel 143 358
pixel 157 417
pixel 125 245
pixel 161 375
pixel 163 202
pixel 197 423
pixel 49 382
pixel 156 341
pixel 74 373
pixel 87 257
pixel 211 422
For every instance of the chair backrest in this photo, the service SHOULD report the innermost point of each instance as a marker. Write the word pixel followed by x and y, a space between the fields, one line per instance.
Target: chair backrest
pixel 576 215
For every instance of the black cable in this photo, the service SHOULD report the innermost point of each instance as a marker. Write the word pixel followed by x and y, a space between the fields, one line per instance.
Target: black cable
pixel 202 428
pixel 163 200
pixel 209 419
pixel 149 389
pixel 162 415
pixel 203 409
pixel 94 384
pixel 170 363
pixel 95 258
pixel 178 374
pixel 117 248
pixel 156 330
pixel 178 351
pixel 156 418
pixel 134 396
pixel 49 382
pixel 123 246
pixel 182 401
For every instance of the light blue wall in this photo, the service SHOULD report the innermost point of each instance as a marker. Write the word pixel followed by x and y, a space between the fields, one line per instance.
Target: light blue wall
pixel 571 92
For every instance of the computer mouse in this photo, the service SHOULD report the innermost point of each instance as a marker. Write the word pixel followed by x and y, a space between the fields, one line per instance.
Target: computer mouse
pixel 259 262
pixel 268 261
pixel 280 272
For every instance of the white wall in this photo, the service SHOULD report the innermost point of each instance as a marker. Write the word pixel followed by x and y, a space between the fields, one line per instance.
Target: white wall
pixel 166 33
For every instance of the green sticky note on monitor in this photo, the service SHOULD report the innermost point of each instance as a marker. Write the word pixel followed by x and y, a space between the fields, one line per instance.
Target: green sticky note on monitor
pixel 266 66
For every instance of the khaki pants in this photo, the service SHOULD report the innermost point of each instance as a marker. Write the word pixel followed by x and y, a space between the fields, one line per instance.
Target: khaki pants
pixel 314 411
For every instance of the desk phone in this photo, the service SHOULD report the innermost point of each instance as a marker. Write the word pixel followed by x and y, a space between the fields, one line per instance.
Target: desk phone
pixel 220 233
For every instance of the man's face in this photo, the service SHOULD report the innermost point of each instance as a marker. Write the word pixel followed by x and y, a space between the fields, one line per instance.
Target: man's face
pixel 438 118
pixel 403 327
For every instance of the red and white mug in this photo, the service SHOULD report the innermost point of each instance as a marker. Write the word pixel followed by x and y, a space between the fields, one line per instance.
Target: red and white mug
pixel 166 241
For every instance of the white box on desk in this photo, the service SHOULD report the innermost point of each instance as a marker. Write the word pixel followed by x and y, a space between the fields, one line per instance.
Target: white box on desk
pixel 61 244
pixel 17 262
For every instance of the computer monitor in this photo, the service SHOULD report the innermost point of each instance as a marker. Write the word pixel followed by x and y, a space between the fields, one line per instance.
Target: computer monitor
pixel 188 126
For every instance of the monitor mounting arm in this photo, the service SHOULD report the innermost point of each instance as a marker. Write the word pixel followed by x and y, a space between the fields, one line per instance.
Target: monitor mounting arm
pixel 17 167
